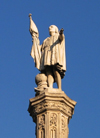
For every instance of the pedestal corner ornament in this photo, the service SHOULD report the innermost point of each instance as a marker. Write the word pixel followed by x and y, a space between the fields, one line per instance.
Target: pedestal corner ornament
pixel 51 109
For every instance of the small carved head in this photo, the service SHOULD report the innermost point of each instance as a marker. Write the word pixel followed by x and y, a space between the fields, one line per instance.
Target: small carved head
pixel 53 29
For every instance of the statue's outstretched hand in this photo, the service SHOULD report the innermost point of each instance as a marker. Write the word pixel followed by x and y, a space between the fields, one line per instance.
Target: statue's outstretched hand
pixel 61 31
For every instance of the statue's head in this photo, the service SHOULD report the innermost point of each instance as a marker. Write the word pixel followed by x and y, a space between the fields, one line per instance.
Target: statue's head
pixel 53 30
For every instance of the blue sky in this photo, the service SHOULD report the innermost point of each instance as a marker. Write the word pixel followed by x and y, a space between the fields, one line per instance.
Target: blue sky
pixel 81 22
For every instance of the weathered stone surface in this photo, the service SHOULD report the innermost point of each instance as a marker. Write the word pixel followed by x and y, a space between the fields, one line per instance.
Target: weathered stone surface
pixel 41 81
pixel 49 57
pixel 51 111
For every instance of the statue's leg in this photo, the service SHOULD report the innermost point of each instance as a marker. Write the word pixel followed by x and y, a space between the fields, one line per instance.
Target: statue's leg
pixel 57 78
pixel 50 78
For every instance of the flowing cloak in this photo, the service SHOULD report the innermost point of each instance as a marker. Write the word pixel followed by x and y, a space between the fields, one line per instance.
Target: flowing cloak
pixel 53 54
pixel 35 52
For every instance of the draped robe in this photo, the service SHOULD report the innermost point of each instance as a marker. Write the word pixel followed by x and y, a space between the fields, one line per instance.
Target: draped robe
pixel 53 54
pixel 36 52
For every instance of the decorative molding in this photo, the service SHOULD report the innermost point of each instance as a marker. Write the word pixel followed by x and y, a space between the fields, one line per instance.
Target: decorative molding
pixel 53 105
pixel 51 113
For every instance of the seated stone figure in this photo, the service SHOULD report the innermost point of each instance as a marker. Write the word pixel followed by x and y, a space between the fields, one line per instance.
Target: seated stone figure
pixel 49 57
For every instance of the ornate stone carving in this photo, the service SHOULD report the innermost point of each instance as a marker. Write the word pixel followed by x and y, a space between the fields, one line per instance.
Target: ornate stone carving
pixel 63 122
pixel 50 104
pixel 51 113
pixel 53 119
pixel 64 127
pixel 51 109
pixel 41 126
pixel 41 121
pixel 53 125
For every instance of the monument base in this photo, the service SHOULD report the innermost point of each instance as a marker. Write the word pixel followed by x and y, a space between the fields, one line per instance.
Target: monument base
pixel 51 110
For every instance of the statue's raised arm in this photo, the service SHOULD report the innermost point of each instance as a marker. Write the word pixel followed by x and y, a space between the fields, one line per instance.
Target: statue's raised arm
pixel 50 57
pixel 35 51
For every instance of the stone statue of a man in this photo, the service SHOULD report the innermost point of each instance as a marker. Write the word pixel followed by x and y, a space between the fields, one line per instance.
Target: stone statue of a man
pixel 49 57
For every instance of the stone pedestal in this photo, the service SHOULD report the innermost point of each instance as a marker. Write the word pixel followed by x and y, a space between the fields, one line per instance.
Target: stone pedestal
pixel 51 110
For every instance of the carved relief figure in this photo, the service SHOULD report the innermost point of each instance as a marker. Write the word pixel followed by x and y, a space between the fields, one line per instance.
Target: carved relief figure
pixel 49 57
